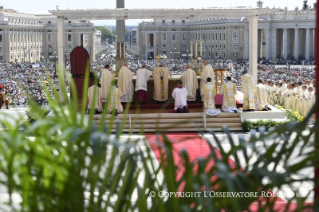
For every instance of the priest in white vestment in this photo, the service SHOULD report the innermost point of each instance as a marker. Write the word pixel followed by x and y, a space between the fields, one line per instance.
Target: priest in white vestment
pixel 289 96
pixel 229 91
pixel 106 80
pixel 261 99
pixel 248 88
pixel 95 99
pixel 142 77
pixel 207 72
pixel 115 103
pixel 161 75
pixel 311 100
pixel 209 103
pixel 190 82
pixel 180 95
pixel 125 84
pixel 302 100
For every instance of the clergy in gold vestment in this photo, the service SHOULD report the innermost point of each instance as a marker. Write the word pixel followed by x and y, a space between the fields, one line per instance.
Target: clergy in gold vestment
pixel 248 88
pixel 161 75
pixel 114 103
pixel 261 98
pixel 207 72
pixel 189 80
pixel 209 103
pixel 106 80
pixel 125 84
pixel 229 91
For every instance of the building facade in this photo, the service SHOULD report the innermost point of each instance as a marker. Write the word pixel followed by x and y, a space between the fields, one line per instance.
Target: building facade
pixel 133 44
pixel 283 34
pixel 31 38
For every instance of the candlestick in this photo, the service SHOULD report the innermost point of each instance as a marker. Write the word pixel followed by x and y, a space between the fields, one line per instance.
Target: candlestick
pixel 120 50
pixel 191 48
pixel 196 49
pixel 124 52
pixel 201 47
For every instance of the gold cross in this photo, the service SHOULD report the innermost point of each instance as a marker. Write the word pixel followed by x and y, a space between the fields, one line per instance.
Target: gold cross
pixel 158 57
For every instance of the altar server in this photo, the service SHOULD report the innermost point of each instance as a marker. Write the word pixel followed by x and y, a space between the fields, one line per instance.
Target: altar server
pixel 180 95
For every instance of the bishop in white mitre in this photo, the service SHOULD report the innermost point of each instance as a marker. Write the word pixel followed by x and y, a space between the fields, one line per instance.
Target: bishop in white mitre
pixel 229 91
pixel 106 80
pixel 209 103
pixel 161 75
pixel 248 88
pixel 189 80
pixel 261 97
pixel 207 72
pixel 115 103
pixel 125 84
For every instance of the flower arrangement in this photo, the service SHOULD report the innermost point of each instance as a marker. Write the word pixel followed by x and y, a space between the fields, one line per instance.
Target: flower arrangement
pixel 291 115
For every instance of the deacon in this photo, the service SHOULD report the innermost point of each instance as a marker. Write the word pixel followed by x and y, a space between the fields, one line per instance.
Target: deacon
pixel 180 95
pixel 161 76
pixel 207 72
pixel 125 84
pixel 209 94
pixel 95 98
pixel 115 105
pixel 248 88
pixel 261 98
pixel 106 79
pixel 189 80
pixel 142 77
pixel 229 91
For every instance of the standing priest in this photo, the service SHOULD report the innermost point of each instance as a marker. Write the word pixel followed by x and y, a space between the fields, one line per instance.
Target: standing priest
pixel 207 72
pixel 106 80
pixel 248 88
pixel 189 80
pixel 209 94
pixel 142 77
pixel 161 75
pixel 229 91
pixel 125 84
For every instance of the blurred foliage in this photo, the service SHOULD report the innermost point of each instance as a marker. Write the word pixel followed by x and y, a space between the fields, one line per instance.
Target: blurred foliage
pixel 106 34
pixel 254 125
pixel 291 114
pixel 72 164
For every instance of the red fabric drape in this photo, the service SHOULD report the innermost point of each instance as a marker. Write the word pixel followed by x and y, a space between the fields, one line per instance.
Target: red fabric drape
pixel 317 100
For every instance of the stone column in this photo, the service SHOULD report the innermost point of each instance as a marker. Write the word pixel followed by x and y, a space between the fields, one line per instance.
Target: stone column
pixel 268 40
pixel 296 45
pixel 253 48
pixel 274 43
pixel 61 43
pixel 120 32
pixel 307 43
pixel 246 43
pixel 285 43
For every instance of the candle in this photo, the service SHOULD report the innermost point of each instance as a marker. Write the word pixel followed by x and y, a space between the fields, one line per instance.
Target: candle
pixel 116 44
pixel 196 49
pixel 191 49
pixel 201 47
pixel 120 50
pixel 124 52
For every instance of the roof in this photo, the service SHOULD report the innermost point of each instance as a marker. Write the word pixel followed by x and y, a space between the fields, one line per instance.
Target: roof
pixel 190 13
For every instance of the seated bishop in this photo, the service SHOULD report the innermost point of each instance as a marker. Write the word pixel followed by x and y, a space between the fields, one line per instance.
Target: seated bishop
pixel 94 98
pixel 161 75
pixel 209 94
pixel 229 91
pixel 115 105
pixel 190 82
pixel 180 95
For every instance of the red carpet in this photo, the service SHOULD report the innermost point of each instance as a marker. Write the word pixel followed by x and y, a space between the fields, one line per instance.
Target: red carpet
pixel 191 105
pixel 197 147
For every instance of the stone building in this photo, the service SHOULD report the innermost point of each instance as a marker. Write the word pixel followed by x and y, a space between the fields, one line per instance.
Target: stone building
pixel 283 34
pixel 30 38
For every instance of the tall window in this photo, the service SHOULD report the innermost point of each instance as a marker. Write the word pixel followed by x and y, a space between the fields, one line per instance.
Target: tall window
pixel 69 37
pixel 224 36
pixel 235 36
pixel 216 36
pixel 183 36
pixel 220 36
pixel 164 36
pixel 49 37
pixel 0 38
pixel 173 36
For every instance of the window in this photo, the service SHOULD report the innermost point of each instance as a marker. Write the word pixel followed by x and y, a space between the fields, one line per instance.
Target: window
pixel 70 46
pixel 216 36
pixel 49 37
pixel 0 48
pixel 173 22
pixel 235 55
pixel 235 46
pixel 163 22
pixel 49 46
pixel 69 37
pixel 164 52
pixel 235 36
pixel 220 36
pixel 0 38
pixel 173 45
pixel 220 46
pixel 183 36
pixel 224 36
pixel 1 57
pixel 224 46
pixel 224 55
pixel 164 36
pixel 183 22
pixel 11 48
pixel 173 36
pixel 164 45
